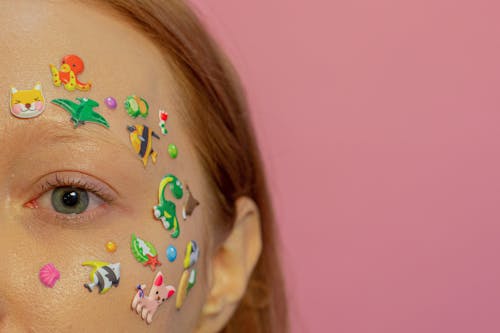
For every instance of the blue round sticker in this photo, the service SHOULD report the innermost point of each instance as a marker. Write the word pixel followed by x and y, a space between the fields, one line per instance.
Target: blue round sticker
pixel 171 253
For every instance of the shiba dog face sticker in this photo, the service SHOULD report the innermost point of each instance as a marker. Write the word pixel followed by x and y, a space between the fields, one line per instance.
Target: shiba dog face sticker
pixel 27 103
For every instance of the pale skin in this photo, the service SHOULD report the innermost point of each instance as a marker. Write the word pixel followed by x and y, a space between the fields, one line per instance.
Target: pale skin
pixel 38 153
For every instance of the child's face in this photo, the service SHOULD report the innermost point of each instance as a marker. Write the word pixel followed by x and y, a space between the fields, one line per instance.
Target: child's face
pixel 65 192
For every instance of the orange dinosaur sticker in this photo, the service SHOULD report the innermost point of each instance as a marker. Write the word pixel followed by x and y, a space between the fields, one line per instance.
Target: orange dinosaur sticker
pixel 67 74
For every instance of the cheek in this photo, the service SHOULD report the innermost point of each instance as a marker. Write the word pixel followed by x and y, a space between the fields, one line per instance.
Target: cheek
pixel 17 108
pixel 39 106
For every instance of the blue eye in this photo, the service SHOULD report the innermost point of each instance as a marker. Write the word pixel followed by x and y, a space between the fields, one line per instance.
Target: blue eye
pixel 70 200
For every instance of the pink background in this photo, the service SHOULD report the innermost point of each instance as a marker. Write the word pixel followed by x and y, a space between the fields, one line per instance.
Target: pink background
pixel 379 124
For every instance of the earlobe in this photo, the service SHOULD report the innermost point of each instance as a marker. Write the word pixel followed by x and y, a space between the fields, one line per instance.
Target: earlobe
pixel 232 266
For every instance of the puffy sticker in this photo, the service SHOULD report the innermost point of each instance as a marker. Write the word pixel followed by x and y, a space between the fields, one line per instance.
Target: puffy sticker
pixel 146 306
pixel 136 106
pixel 190 204
pixel 192 280
pixel 171 253
pixel 144 252
pixel 111 246
pixel 49 275
pixel 192 254
pixel 165 211
pixel 81 112
pixel 182 290
pixel 163 115
pixel 110 102
pixel 27 103
pixel 67 74
pixel 141 138
pixel 103 275
pixel 172 150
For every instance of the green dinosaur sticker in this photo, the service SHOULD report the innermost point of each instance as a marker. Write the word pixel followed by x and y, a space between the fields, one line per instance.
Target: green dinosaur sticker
pixel 81 112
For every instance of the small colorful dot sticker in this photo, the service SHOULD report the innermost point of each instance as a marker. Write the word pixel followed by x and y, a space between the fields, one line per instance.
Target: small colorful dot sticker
pixel 172 150
pixel 110 102
pixel 171 253
pixel 111 246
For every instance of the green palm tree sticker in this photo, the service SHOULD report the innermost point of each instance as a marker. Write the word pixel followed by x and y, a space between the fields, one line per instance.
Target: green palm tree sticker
pixel 82 112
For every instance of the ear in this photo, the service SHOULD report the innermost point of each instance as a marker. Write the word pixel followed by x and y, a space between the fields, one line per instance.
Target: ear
pixel 232 266
pixel 13 90
pixel 158 279
pixel 38 86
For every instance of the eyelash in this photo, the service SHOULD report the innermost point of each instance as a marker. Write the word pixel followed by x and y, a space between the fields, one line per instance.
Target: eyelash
pixel 78 180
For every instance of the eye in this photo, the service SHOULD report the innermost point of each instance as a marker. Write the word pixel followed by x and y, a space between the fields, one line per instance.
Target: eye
pixel 37 99
pixel 72 200
pixel 157 292
pixel 69 195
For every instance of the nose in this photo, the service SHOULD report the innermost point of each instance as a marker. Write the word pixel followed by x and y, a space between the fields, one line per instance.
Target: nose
pixel 28 105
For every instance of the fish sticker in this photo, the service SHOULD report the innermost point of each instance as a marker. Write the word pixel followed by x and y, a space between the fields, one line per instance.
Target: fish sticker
pixel 67 74
pixel 192 254
pixel 165 211
pixel 144 252
pixel 146 306
pixel 103 275
pixel 27 103
pixel 141 138
pixel 81 112
pixel 136 106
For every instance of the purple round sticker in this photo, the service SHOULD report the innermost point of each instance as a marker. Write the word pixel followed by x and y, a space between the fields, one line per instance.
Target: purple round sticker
pixel 110 102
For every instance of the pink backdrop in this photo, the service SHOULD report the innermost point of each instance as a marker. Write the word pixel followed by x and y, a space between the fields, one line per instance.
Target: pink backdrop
pixel 379 124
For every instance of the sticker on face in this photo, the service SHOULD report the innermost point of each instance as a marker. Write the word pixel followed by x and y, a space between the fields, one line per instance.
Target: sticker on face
pixel 27 103
pixel 171 253
pixel 146 306
pixel 182 290
pixel 111 247
pixel 191 280
pixel 49 275
pixel 192 254
pixel 67 74
pixel 190 204
pixel 110 102
pixel 163 115
pixel 81 112
pixel 141 138
pixel 136 106
pixel 172 150
pixel 165 211
pixel 144 252
pixel 103 276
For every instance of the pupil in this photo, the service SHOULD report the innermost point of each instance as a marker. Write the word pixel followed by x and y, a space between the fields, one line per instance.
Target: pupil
pixel 70 198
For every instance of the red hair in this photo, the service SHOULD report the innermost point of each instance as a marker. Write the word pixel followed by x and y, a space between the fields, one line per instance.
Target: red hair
pixel 221 133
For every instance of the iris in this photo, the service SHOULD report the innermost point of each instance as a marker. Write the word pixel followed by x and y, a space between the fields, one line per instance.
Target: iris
pixel 70 200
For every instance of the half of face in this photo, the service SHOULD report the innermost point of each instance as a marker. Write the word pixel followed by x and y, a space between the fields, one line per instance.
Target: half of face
pixel 27 103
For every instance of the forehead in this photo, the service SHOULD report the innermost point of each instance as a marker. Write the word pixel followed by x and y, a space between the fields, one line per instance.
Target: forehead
pixel 118 58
